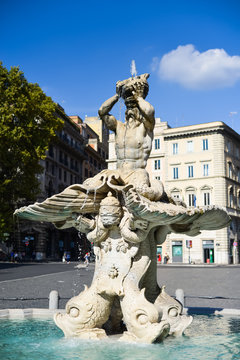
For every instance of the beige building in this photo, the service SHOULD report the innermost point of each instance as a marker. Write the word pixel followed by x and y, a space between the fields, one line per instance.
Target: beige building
pixel 200 165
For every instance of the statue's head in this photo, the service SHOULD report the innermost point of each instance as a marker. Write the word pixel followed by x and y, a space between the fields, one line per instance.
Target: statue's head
pixel 110 211
pixel 133 112
pixel 137 84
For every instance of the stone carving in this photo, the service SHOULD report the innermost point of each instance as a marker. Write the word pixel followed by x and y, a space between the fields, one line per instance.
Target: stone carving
pixel 125 215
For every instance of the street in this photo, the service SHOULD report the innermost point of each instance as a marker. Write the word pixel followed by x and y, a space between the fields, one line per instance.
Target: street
pixel 29 284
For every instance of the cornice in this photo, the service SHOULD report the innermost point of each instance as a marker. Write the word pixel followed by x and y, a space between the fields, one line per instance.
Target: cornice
pixel 200 129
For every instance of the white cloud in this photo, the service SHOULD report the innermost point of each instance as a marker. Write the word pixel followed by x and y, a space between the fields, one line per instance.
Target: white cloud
pixel 186 66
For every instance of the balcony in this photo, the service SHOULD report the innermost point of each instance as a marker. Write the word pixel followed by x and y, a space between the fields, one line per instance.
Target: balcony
pixel 71 146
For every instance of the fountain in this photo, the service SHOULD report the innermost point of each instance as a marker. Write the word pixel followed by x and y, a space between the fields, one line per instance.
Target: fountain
pixel 208 338
pixel 126 215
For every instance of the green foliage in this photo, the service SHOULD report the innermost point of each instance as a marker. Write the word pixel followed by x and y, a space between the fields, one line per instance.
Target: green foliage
pixel 28 123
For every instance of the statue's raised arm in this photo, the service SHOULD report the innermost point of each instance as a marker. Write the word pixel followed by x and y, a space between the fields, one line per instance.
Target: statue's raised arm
pixel 147 111
pixel 109 120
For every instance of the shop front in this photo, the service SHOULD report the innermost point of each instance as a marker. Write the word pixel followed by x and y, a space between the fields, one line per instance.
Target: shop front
pixel 177 255
pixel 208 251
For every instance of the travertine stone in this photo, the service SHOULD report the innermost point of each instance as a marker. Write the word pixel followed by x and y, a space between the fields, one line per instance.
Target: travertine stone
pixel 125 216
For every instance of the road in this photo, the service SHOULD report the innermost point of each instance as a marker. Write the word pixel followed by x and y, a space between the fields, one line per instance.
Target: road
pixel 204 286
pixel 29 285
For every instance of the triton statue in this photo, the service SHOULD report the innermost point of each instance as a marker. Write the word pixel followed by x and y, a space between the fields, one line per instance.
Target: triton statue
pixel 126 215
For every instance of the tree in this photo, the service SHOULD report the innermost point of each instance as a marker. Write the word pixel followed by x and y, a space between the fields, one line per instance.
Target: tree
pixel 28 122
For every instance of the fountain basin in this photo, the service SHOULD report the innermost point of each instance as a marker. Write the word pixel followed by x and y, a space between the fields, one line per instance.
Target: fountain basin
pixel 208 337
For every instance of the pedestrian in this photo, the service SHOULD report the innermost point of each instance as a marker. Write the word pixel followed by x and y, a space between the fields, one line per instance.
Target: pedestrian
pixel 12 256
pixel 68 257
pixel 166 258
pixel 16 257
pixel 159 258
pixel 86 262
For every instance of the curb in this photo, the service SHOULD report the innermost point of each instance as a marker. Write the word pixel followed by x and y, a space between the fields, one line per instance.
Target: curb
pixel 37 313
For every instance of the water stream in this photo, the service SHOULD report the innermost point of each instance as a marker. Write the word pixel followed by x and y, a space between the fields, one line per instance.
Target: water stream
pixel 77 281
pixel 85 200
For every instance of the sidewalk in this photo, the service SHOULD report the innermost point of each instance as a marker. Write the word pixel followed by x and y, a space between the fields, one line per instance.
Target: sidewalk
pixel 199 265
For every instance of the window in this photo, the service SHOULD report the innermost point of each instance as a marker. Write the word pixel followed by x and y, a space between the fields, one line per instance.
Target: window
pixel 60 174
pixel 229 146
pixel 50 189
pixel 46 166
pixel 65 176
pixel 206 198
pixel 175 148
pixel 230 169
pixel 157 164
pixel 238 200
pixel 66 159
pixel 157 177
pixel 205 170
pixel 190 146
pixel 238 174
pixel 237 152
pixel 61 156
pixel 53 169
pixel 86 172
pixel 76 165
pixel 205 144
pixel 233 226
pixel 190 171
pixel 157 144
pixel 192 200
pixel 231 197
pixel 175 172
pixel 50 151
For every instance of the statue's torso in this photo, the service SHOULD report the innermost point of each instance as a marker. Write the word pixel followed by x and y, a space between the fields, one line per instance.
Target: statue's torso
pixel 133 144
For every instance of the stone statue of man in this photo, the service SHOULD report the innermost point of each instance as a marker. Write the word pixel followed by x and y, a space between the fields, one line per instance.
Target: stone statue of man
pixel 133 138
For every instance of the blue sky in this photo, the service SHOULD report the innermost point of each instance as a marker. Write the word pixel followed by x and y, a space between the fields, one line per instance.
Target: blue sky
pixel 77 51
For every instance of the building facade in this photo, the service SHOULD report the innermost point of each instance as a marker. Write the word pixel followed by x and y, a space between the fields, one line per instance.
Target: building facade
pixel 76 147
pixel 96 135
pixel 199 165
